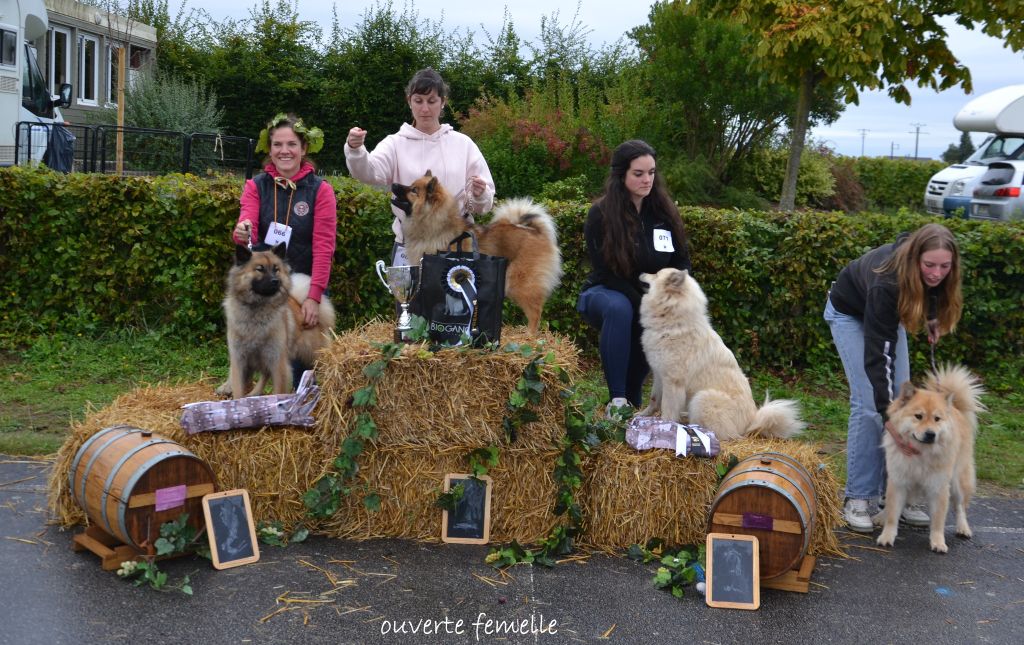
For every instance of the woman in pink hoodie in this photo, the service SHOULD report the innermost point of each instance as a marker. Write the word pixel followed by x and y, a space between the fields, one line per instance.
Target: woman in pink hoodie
pixel 288 202
pixel 425 145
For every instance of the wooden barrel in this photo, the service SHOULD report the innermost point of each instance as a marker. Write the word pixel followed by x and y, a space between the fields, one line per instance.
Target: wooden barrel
pixel 769 495
pixel 130 481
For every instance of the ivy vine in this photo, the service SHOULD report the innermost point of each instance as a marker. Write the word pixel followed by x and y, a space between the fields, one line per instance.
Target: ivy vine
pixel 176 536
pixel 680 567
pixel 324 499
pixel 582 433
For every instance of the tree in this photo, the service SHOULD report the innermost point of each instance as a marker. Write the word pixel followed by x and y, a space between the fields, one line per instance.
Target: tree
pixel 854 45
pixel 719 122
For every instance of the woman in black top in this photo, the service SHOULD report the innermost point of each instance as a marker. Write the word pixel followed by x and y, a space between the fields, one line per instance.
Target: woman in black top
pixel 633 228
pixel 905 286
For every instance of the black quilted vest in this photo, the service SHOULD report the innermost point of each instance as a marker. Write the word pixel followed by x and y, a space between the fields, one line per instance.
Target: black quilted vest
pixel 300 246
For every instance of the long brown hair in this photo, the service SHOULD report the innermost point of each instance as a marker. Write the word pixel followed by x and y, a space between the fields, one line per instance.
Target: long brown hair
pixel 617 211
pixel 905 262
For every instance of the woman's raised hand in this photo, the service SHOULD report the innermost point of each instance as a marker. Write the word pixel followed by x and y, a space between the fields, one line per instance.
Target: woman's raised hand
pixel 356 137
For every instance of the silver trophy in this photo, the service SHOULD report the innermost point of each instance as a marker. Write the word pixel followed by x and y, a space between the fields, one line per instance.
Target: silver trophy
pixel 402 282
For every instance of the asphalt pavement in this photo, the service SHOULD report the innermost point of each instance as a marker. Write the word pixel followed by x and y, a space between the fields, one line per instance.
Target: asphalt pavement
pixel 335 591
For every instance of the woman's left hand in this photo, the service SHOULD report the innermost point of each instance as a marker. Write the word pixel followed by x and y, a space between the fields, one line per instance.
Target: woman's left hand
pixel 933 331
pixel 310 313
pixel 477 185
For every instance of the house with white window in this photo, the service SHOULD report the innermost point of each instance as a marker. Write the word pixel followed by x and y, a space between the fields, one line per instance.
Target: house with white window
pixel 82 47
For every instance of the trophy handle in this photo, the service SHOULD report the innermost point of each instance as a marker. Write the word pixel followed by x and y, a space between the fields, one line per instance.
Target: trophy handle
pixel 380 273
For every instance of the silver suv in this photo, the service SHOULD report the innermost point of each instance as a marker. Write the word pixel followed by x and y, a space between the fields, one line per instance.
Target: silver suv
pixel 998 194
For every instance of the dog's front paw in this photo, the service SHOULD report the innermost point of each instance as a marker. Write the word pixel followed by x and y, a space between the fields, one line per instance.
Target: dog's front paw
pixel 224 390
pixel 887 537
pixel 964 532
pixel 939 545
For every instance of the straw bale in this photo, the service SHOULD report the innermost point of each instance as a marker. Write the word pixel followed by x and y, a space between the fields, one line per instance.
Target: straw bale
pixel 452 397
pixel 629 497
pixel 409 480
pixel 276 464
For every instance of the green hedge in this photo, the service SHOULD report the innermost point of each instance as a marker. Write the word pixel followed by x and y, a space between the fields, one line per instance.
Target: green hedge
pixel 84 252
pixel 895 183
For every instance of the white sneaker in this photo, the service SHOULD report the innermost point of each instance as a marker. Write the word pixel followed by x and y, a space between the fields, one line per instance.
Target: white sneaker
pixel 857 517
pixel 915 515
pixel 912 515
pixel 617 408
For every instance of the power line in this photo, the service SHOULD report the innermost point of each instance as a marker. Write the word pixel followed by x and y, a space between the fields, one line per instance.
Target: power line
pixel 863 133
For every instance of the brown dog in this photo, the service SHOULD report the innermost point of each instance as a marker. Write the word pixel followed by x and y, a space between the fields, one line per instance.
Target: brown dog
pixel 520 231
pixel 939 420
pixel 264 322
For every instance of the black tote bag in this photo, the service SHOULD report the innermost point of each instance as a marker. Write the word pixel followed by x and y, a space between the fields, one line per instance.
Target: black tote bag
pixel 461 293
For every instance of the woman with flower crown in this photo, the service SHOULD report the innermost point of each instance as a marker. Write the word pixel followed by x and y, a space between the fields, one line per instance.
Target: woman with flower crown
pixel 288 202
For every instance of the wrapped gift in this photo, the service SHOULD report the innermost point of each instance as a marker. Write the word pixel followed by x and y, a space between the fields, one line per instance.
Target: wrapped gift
pixel 254 411
pixel 644 433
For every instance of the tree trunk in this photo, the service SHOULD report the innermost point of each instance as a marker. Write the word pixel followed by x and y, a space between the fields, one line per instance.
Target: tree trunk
pixel 787 201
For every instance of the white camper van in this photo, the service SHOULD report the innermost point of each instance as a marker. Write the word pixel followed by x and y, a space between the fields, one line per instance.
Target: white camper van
pixel 1000 112
pixel 23 90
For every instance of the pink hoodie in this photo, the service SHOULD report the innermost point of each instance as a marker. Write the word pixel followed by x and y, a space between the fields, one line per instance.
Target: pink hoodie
pixel 325 225
pixel 407 155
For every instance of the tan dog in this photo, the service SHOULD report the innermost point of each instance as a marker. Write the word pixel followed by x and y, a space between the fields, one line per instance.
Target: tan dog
pixel 264 322
pixel 696 377
pixel 940 421
pixel 520 231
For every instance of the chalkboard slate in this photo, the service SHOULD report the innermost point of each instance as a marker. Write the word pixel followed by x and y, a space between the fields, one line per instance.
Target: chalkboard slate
pixel 470 523
pixel 733 571
pixel 230 529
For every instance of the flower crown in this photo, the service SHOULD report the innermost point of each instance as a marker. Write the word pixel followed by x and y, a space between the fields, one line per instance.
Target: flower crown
pixel 314 137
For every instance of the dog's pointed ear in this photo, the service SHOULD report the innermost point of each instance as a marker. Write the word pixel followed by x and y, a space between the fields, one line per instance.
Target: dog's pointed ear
pixel 432 184
pixel 281 250
pixel 428 173
pixel 677 278
pixel 242 254
pixel 907 392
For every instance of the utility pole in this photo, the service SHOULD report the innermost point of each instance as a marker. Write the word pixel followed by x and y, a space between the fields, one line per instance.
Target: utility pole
pixel 917 135
pixel 893 147
pixel 863 133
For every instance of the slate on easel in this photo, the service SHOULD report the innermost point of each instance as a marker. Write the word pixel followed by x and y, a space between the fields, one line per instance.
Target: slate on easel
pixel 230 529
pixel 733 571
pixel 470 522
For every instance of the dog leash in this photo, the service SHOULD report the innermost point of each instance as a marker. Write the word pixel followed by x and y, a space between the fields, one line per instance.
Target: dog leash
pixel 934 369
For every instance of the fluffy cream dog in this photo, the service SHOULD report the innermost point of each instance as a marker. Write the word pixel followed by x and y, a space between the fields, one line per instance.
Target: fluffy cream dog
pixel 939 420
pixel 696 377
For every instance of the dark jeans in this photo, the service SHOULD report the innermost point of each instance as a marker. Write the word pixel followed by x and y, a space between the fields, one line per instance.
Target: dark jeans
pixel 622 356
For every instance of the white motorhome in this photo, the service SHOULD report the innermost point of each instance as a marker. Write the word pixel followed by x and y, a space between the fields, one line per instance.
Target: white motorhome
pixel 1000 112
pixel 24 93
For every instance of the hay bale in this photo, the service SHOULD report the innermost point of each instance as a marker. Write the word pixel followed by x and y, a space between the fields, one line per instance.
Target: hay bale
pixel 437 406
pixel 410 478
pixel 449 398
pixel 276 465
pixel 629 497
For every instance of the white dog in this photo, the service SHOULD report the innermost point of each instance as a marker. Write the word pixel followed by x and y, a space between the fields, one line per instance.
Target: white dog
pixel 696 377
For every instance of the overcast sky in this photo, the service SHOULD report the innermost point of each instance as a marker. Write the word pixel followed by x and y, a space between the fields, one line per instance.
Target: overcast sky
pixel 890 127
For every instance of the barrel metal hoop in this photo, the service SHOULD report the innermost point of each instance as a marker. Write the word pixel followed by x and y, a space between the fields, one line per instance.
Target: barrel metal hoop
pixel 113 473
pixel 95 456
pixel 122 509
pixel 766 484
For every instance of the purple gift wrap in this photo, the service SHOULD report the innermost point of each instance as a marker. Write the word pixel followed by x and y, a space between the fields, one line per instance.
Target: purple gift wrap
pixel 254 411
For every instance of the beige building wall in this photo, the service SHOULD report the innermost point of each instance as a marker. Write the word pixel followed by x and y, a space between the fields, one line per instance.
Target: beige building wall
pixel 81 48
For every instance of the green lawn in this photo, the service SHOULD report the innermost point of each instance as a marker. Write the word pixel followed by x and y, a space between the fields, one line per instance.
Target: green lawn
pixel 55 379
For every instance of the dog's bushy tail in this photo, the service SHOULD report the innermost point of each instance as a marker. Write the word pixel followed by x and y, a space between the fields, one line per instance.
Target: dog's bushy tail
pixel 958 383
pixel 522 211
pixel 779 419
pixel 299 291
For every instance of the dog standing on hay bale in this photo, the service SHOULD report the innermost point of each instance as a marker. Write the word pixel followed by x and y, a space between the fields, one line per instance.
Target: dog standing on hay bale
pixel 265 324
pixel 696 377
pixel 521 231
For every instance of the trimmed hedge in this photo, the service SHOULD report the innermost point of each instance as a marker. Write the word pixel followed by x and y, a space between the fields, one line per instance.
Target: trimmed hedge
pixel 84 252
pixel 895 183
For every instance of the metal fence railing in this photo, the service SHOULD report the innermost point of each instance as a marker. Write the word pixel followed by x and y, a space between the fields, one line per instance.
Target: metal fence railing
pixel 143 151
